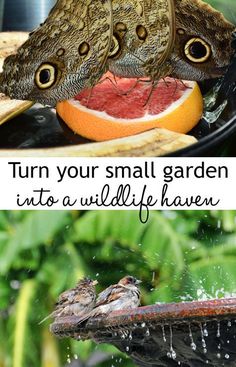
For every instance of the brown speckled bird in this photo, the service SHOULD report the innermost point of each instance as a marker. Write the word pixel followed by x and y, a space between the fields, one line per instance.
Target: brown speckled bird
pixel 76 301
pixel 124 295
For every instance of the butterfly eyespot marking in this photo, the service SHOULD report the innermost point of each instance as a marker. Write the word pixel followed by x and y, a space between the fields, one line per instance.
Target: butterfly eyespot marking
pixel 197 50
pixel 120 27
pixel 115 47
pixel 46 76
pixel 61 52
pixel 84 49
pixel 141 32
pixel 181 31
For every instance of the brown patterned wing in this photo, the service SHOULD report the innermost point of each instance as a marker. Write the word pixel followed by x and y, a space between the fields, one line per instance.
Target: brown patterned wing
pixel 66 54
pixel 110 294
pixel 144 35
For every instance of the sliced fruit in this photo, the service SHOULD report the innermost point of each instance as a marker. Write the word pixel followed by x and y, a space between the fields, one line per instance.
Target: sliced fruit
pixel 151 143
pixel 126 107
pixel 11 108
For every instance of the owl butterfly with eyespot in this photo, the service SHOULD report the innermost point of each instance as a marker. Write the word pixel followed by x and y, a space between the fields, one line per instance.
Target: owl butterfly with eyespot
pixel 67 53
pixel 201 45
pixel 80 40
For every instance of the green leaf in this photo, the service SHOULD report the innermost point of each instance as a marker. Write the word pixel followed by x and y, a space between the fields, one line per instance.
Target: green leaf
pixel 36 229
pixel 21 317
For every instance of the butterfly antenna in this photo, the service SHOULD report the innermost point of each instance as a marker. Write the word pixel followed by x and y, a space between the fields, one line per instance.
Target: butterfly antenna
pixel 153 87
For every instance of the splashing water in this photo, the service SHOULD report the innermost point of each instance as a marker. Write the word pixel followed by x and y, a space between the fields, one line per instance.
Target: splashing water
pixel 163 333
pixel 192 345
pixel 213 116
pixel 203 340
pixel 171 353
pixel 218 330
pixel 205 331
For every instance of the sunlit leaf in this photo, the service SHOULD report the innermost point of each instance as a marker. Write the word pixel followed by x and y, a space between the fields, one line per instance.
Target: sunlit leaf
pixel 50 354
pixel 21 318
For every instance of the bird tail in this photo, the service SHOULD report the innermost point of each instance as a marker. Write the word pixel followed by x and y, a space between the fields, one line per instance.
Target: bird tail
pixel 92 314
pixel 84 318
pixel 53 314
pixel 45 318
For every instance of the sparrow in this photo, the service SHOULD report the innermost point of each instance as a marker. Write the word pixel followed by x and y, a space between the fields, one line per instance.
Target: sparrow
pixel 123 295
pixel 76 301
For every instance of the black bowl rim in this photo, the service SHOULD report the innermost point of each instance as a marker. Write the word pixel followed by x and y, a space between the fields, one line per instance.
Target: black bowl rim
pixel 208 142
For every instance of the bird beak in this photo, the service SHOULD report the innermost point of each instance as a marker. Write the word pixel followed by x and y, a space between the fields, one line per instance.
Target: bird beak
pixel 95 282
pixel 138 281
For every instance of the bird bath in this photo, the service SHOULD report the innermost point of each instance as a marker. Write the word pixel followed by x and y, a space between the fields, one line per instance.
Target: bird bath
pixel 189 334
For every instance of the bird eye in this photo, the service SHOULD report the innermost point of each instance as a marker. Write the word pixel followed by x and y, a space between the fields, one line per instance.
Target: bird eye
pixel 130 279
pixel 46 76
pixel 197 50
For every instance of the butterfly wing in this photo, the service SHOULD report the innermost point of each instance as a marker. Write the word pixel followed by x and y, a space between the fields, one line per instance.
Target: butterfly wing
pixel 144 35
pixel 67 53
pixel 203 45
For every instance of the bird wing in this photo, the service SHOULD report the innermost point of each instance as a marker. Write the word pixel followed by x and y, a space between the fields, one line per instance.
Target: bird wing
pixel 110 294
pixel 68 296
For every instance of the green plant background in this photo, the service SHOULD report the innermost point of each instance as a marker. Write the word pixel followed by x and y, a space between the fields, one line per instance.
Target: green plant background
pixel 179 255
pixel 228 7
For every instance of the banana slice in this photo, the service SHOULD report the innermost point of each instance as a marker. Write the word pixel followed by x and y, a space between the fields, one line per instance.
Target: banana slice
pixel 156 142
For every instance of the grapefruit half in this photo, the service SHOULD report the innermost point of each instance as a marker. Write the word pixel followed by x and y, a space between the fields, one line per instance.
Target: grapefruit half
pixel 124 107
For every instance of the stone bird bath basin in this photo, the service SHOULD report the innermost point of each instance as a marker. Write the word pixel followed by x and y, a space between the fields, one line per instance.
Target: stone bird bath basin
pixel 189 334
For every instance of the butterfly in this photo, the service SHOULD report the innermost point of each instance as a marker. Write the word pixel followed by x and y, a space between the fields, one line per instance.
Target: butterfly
pixel 81 40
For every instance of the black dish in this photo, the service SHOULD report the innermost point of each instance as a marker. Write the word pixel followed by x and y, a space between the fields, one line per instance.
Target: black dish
pixel 40 127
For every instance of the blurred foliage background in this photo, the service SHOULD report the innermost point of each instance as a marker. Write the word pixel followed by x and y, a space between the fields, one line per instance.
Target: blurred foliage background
pixel 179 255
pixel 227 7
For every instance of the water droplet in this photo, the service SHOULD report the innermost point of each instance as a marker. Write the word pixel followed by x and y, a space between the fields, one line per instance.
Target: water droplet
pixel 205 331
pixel 173 354
pixel 68 359
pixel 39 118
pixel 218 355
pixel 229 324
pixel 147 332
pixel 163 333
pixel 127 349
pixel 193 345
pixel 203 340
pixel 122 336
pixel 172 351
pixel 143 324
pixel 218 330
pixel 226 356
